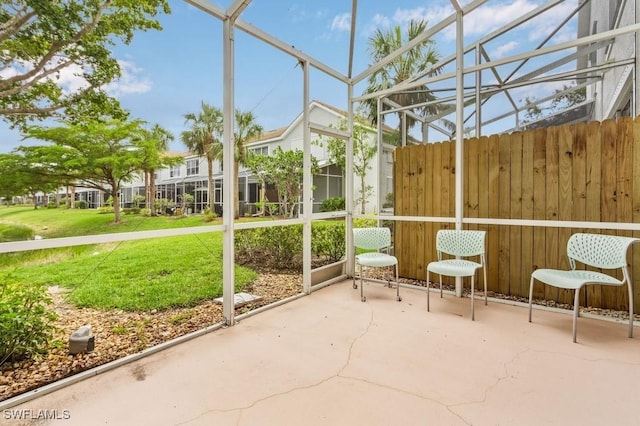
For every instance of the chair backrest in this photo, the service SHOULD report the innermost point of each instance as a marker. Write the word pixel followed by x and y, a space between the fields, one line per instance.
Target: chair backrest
pixel 600 251
pixel 372 238
pixel 462 243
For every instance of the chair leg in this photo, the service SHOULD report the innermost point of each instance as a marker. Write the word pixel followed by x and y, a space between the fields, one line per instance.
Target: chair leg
pixel 362 298
pixel 484 269
pixel 530 296
pixel 440 286
pixel 576 310
pixel 428 290
pixel 630 307
pixel 398 298
pixel 473 316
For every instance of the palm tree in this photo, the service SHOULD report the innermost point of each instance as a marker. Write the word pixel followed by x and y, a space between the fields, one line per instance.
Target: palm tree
pixel 154 151
pixel 204 139
pixel 420 58
pixel 246 130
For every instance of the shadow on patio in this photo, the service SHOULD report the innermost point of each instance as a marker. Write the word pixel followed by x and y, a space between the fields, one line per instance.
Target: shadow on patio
pixel 330 359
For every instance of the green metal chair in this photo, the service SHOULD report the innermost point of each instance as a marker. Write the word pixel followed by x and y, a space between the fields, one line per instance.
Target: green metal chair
pixel 461 244
pixel 599 251
pixel 378 239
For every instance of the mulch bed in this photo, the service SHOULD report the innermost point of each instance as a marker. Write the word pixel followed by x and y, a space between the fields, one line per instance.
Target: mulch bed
pixel 119 333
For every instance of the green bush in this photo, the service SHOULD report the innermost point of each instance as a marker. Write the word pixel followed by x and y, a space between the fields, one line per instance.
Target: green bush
pixel 281 246
pixel 26 320
pixel 131 210
pixel 209 215
pixel 105 209
pixel 81 204
pixel 275 247
pixel 364 223
pixel 328 241
pixel 332 204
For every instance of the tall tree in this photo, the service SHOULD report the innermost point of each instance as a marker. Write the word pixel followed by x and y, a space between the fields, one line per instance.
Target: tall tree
pixel 97 155
pixel 417 60
pixel 154 148
pixel 363 152
pixel 246 130
pixel 42 40
pixel 284 170
pixel 204 139
pixel 19 175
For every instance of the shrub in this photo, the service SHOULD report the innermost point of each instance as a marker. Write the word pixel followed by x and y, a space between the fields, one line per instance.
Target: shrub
pixel 328 242
pixel 332 204
pixel 281 246
pixel 364 223
pixel 81 204
pixel 26 321
pixel 276 247
pixel 131 210
pixel 105 209
pixel 209 215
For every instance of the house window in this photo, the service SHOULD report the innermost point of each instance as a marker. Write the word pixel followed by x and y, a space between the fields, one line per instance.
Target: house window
pixel 175 171
pixel 193 167
pixel 263 150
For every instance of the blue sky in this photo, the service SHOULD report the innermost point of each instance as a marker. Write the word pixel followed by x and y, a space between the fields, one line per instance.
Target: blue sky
pixel 167 74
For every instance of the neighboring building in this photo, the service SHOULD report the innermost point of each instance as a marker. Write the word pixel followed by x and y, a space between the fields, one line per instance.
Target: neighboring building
pixel 613 95
pixel 191 176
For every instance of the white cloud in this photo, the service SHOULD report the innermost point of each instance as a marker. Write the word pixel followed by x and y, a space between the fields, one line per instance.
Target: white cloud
pixel 501 51
pixel 129 82
pixel 341 22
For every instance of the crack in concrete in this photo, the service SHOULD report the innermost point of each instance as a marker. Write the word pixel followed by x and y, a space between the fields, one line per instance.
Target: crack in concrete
pixel 295 389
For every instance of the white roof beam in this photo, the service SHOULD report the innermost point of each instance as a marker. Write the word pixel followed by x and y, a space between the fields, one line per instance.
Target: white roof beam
pixel 221 14
pixel 539 52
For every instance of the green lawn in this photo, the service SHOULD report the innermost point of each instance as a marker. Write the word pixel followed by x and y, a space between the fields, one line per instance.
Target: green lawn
pixel 132 275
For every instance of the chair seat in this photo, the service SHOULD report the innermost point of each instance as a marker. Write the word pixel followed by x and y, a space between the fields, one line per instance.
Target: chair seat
pixel 573 279
pixel 454 267
pixel 376 259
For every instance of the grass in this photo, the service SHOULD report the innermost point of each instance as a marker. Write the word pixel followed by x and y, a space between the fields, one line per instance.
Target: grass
pixel 140 275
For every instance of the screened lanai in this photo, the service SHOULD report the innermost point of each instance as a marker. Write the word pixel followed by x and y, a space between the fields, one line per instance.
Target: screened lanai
pixel 472 93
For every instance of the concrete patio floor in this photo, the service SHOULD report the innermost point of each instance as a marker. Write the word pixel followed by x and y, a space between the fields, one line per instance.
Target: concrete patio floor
pixel 329 359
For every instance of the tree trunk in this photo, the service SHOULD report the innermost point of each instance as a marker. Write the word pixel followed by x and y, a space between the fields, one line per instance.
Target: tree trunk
pixel 147 196
pixel 210 188
pixel 363 194
pixel 73 196
pixel 116 201
pixel 236 195
pixel 152 193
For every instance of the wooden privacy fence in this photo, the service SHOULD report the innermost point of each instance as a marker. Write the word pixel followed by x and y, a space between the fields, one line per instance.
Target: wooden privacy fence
pixel 582 172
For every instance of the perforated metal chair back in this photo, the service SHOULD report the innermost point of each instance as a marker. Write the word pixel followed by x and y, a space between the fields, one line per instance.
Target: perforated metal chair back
pixel 460 243
pixel 376 242
pixel 600 251
pixel 372 238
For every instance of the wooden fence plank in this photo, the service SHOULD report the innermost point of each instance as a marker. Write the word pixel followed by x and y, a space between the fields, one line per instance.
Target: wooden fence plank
pixel 635 253
pixel 493 200
pixel 624 205
pixel 515 212
pixel 565 198
pixel 526 255
pixel 539 204
pixel 608 194
pixel 552 189
pixel 504 211
pixel 419 253
pixel 593 188
pixel 482 199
